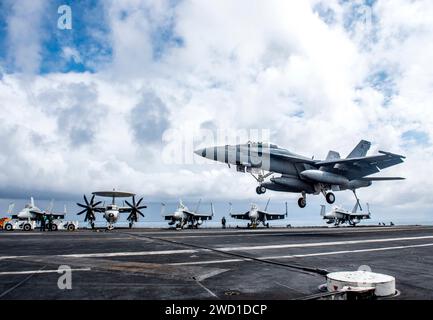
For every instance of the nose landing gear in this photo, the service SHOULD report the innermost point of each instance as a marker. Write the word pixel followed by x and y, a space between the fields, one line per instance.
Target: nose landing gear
pixel 302 201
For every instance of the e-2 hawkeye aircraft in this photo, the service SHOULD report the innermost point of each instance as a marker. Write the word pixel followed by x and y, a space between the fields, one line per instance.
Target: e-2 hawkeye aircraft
pixel 111 211
pixel 338 215
pixel 305 175
pixel 255 215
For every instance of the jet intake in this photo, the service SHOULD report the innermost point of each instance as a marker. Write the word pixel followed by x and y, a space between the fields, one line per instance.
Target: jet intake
pixel 324 177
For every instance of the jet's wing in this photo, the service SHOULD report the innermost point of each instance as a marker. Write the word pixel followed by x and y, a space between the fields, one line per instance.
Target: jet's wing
pixel 196 215
pixel 168 216
pixel 58 216
pixel 241 216
pixel 381 178
pixel 272 216
pixel 364 165
pixel 359 215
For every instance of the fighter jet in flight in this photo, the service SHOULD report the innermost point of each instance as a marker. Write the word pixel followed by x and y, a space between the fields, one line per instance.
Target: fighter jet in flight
pixel 338 215
pixel 305 175
pixel 255 215
pixel 184 217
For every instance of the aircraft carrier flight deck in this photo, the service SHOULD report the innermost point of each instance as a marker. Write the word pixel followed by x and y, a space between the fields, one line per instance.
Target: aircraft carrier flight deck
pixel 275 263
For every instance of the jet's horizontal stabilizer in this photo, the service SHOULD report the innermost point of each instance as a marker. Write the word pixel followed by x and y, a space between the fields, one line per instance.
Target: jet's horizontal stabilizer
pixel 332 155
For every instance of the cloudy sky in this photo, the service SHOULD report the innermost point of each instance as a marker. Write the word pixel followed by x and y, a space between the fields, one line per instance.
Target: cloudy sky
pixel 122 98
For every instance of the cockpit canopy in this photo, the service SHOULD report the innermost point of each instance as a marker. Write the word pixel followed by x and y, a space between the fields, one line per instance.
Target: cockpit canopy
pixel 260 144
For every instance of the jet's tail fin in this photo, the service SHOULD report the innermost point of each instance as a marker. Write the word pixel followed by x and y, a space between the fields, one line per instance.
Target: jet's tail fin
pixel 211 209
pixel 162 209
pixel 267 204
pixel 360 150
pixel 322 210
pixel 332 155
pixel 198 205
pixel 355 208
pixel 50 206
pixel 11 208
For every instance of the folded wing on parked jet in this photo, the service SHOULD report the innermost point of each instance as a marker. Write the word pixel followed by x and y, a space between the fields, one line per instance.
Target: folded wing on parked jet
pixel 196 215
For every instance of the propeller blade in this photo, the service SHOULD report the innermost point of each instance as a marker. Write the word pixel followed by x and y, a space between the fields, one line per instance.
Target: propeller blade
pixel 142 207
pixel 81 212
pixel 133 200
pixel 95 204
pixel 91 200
pixel 85 200
pixel 141 214
pixel 82 205
pixel 139 201
pixel 126 201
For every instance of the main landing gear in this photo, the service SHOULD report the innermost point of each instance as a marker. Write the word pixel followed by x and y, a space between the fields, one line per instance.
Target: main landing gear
pixel 302 201
pixel 260 190
pixel 330 197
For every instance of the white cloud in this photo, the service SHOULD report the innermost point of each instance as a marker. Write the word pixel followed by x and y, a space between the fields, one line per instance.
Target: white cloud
pixel 24 26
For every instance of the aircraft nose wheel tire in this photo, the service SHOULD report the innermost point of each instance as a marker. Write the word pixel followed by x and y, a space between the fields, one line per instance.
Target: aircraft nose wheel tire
pixel 8 227
pixel 27 227
pixel 302 202
pixel 330 198
pixel 54 227
pixel 71 227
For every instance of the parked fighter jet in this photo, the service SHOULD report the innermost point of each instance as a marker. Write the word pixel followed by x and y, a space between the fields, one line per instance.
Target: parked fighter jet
pixel 111 211
pixel 31 212
pixel 256 216
pixel 183 216
pixel 339 215
pixel 305 175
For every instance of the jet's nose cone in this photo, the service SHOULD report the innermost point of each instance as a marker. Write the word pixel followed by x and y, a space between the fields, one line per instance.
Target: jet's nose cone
pixel 200 152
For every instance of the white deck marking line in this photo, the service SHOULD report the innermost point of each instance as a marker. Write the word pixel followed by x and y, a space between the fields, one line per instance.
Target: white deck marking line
pixel 108 254
pixel 208 290
pixel 320 244
pixel 38 271
pixel 304 255
pixel 347 251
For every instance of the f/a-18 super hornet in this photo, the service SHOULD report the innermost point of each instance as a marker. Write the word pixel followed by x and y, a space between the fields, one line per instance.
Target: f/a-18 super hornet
pixel 338 215
pixel 255 215
pixel 305 175
pixel 111 211
pixel 184 217
pixel 32 212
